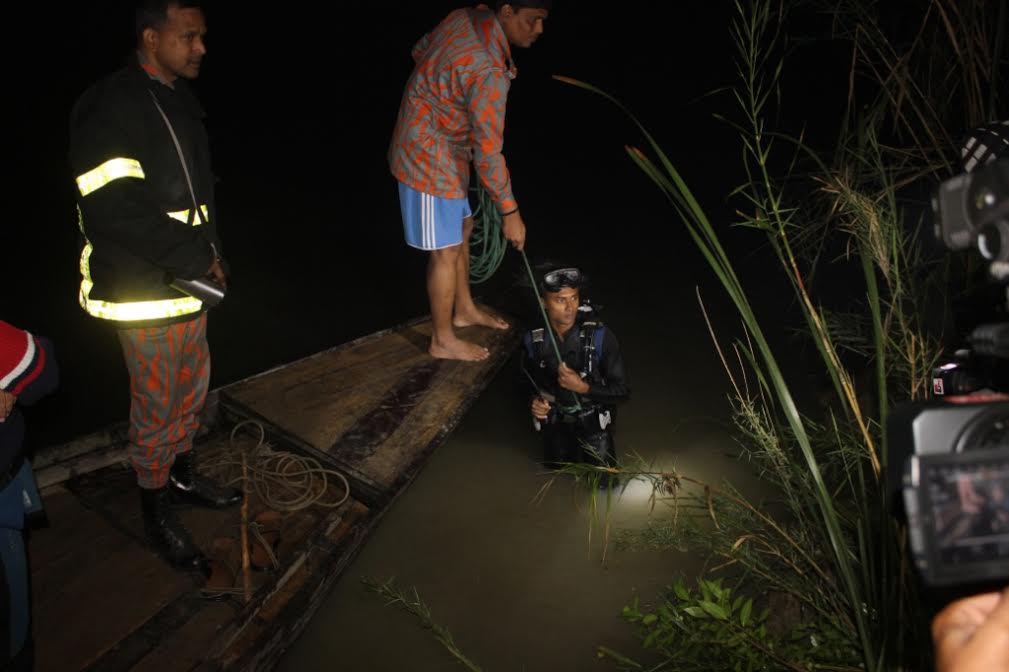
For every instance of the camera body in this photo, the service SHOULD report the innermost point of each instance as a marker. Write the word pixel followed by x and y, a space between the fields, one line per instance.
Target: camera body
pixel 973 209
pixel 961 376
pixel 979 369
pixel 949 458
pixel 954 484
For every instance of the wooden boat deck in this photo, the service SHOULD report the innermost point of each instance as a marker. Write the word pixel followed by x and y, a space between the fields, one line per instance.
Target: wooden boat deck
pixel 374 410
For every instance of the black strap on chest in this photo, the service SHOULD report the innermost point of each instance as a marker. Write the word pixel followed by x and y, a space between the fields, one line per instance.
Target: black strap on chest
pixel 590 339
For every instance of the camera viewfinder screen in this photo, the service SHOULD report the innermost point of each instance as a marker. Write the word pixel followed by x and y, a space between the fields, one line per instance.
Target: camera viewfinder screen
pixel 970 506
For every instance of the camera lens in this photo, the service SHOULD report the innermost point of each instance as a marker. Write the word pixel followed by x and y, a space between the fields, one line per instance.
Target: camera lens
pixel 988 430
pixel 985 199
pixel 988 193
pixel 992 240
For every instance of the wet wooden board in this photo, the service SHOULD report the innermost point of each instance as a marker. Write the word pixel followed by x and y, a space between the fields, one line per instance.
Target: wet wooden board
pixel 86 576
pixel 105 601
pixel 373 409
pixel 376 407
pixel 262 636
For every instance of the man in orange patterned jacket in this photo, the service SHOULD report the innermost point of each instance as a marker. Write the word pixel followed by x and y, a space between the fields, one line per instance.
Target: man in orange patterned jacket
pixel 452 114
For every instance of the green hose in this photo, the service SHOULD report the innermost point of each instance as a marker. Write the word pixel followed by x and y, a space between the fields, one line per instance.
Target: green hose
pixel 546 323
pixel 487 244
pixel 487 250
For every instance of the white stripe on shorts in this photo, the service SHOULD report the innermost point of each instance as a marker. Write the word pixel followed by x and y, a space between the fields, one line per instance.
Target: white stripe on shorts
pixel 430 220
pixel 432 223
pixel 426 219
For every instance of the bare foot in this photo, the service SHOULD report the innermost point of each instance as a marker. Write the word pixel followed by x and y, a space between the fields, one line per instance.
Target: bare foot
pixel 477 317
pixel 458 349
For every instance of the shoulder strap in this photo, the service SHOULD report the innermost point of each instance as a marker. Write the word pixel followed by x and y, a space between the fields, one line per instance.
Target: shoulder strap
pixel 591 339
pixel 533 342
pixel 182 159
pixel 597 337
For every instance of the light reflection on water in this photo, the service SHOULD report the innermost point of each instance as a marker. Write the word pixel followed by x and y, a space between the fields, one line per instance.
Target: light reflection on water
pixel 518 580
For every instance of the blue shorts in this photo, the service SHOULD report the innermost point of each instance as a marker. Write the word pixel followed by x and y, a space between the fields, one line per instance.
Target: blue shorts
pixel 431 222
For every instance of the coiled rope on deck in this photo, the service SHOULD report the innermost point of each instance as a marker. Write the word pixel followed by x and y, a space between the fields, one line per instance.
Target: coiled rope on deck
pixel 283 481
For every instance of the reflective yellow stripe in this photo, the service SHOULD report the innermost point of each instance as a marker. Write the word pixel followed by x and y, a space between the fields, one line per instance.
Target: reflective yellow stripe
pixel 138 310
pixel 183 215
pixel 135 310
pixel 113 169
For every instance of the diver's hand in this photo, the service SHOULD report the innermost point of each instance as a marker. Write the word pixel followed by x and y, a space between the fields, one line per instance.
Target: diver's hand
pixel 972 634
pixel 569 380
pixel 514 230
pixel 540 408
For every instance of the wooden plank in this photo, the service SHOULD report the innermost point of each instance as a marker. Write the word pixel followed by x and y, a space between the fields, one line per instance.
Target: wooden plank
pixel 106 602
pixel 363 488
pixel 63 471
pixel 190 642
pixel 321 398
pixel 91 585
pixel 407 425
pixel 264 636
pixel 326 353
pixel 387 414
pixel 56 464
pixel 160 634
pixel 373 409
pixel 376 408
pixel 114 435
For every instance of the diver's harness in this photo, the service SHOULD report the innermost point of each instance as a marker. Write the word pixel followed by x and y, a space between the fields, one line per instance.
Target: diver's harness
pixel 590 416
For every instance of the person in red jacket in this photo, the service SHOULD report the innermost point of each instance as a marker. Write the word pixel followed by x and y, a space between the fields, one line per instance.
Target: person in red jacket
pixel 452 114
pixel 27 372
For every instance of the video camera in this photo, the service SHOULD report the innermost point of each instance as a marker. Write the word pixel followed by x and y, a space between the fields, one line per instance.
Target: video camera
pixel 972 209
pixel 955 488
pixel 949 457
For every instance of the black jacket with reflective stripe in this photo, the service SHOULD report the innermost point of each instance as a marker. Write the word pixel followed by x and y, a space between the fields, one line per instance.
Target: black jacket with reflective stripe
pixel 125 218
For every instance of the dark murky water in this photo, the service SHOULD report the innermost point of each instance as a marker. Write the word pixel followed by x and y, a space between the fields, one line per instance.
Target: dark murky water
pixel 519 584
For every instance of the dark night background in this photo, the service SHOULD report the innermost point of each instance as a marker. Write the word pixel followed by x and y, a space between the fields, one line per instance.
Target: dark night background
pixel 301 101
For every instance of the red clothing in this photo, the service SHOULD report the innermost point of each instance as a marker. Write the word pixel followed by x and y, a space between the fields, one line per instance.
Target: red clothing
pixel 22 359
pixel 28 371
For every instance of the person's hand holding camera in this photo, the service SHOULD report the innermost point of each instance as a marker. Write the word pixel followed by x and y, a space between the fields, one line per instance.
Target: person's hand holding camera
pixel 972 634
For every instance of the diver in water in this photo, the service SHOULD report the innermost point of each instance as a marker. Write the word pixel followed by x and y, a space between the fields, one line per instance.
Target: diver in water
pixel 574 401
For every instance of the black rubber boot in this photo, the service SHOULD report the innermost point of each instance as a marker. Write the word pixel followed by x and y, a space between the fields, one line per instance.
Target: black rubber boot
pixel 166 532
pixel 196 489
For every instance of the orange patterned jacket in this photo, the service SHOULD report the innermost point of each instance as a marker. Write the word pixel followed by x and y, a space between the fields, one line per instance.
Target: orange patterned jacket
pixel 453 110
